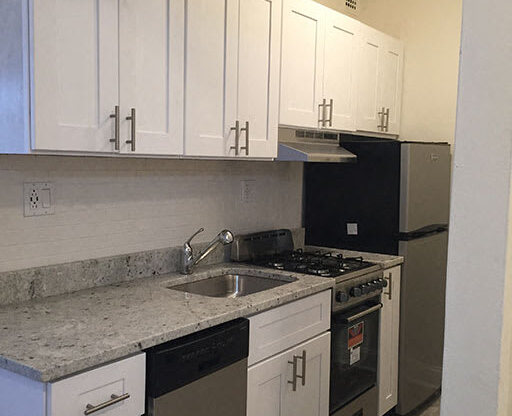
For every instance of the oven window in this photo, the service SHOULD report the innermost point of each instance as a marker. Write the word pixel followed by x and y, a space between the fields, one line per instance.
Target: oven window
pixel 354 349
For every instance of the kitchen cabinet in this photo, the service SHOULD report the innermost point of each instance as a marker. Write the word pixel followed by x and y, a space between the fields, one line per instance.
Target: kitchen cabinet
pixel 318 67
pixel 302 60
pixel 75 74
pixel 151 77
pixel 232 77
pixel 118 388
pixel 107 76
pixel 271 389
pixel 337 73
pixel 379 83
pixel 289 359
pixel 110 77
pixel 389 342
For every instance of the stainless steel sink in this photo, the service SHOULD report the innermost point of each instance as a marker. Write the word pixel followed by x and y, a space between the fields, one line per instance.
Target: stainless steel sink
pixel 231 285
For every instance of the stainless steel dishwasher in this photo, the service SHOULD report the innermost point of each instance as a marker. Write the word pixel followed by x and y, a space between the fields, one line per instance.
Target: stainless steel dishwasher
pixel 202 374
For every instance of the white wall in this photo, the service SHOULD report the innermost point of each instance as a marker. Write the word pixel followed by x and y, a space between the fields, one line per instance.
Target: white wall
pixel 477 253
pixel 431 33
pixel 106 206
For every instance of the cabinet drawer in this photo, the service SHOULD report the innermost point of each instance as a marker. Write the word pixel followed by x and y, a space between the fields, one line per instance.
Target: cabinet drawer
pixel 70 397
pixel 288 325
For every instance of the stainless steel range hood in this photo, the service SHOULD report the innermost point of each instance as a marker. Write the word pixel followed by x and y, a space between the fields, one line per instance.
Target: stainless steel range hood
pixel 322 147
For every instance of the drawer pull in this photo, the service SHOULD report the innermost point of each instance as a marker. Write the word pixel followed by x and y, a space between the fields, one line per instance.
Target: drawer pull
pixel 114 399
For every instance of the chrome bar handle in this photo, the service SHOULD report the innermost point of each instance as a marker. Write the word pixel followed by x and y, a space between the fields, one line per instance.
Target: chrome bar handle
pixel 115 116
pixel 330 112
pixel 390 292
pixel 381 114
pixel 364 313
pixel 321 111
pixel 114 398
pixel 386 126
pixel 237 137
pixel 246 147
pixel 294 379
pixel 303 358
pixel 132 130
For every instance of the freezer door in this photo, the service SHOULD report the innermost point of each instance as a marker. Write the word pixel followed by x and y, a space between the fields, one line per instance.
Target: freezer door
pixel 422 308
pixel 424 185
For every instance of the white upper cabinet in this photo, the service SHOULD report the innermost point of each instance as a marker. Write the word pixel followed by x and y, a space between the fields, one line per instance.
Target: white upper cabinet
pixel 151 76
pixel 302 60
pixel 379 83
pixel 369 116
pixel 337 73
pixel 391 74
pixel 342 37
pixel 232 77
pixel 259 43
pixel 75 74
pixel 211 28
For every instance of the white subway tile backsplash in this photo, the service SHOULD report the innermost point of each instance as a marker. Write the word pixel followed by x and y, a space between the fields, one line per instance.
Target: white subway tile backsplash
pixel 110 206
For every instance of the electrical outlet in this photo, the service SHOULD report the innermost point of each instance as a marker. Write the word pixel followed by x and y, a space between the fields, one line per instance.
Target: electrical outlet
pixel 38 199
pixel 248 191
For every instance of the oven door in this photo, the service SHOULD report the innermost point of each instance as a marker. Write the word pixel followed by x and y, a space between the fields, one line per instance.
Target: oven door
pixel 354 352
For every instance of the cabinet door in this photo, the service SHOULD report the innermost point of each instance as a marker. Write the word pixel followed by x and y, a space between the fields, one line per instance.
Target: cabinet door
pixel 388 343
pixel 123 380
pixel 151 75
pixel 75 74
pixel 258 75
pixel 390 83
pixel 369 117
pixel 312 398
pixel 302 57
pixel 211 32
pixel 342 39
pixel 270 392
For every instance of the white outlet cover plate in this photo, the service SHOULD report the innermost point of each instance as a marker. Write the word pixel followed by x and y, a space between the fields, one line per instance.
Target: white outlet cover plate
pixel 38 199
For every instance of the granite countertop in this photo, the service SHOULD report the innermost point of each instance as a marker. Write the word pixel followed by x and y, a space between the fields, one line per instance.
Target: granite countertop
pixel 55 337
pixel 385 261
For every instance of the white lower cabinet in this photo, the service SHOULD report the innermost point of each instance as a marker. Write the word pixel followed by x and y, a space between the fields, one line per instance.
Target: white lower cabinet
pixel 116 389
pixel 271 389
pixel 389 342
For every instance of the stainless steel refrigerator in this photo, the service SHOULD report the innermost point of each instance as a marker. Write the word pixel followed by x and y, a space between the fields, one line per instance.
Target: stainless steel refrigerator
pixel 394 200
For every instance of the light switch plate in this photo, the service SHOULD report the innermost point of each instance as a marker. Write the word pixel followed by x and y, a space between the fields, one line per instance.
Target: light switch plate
pixel 248 191
pixel 38 199
pixel 352 228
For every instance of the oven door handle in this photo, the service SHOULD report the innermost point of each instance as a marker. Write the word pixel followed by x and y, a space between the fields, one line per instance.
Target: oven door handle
pixel 363 313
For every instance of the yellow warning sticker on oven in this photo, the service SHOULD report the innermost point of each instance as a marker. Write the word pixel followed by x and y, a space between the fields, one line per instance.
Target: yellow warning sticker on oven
pixel 355 335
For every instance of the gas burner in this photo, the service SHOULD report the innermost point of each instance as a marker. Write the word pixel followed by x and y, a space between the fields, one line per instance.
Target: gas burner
pixel 318 263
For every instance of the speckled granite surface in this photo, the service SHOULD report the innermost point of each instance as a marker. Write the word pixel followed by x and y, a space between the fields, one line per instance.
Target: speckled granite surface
pixel 40 282
pixel 384 260
pixel 54 337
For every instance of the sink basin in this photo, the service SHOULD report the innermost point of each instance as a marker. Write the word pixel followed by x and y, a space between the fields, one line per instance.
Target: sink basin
pixel 231 285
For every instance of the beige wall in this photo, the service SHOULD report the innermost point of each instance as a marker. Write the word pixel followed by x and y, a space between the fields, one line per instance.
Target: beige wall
pixel 431 33
pixel 109 206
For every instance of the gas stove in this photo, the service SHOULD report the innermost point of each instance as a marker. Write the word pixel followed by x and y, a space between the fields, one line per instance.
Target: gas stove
pixel 357 280
pixel 318 263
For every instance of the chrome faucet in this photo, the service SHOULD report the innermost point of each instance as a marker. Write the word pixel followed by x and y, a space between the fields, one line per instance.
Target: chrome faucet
pixel 188 260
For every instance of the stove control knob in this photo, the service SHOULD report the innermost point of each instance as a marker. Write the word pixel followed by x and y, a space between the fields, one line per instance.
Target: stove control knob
pixel 355 292
pixel 365 288
pixel 383 282
pixel 341 296
pixel 377 284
